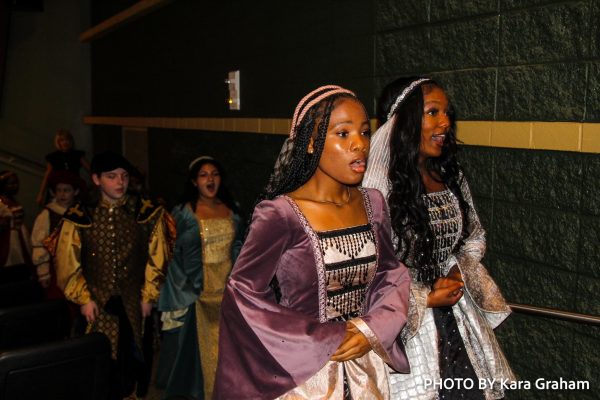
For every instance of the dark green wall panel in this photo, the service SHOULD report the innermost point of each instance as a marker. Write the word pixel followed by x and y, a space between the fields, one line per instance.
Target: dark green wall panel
pixel 529 283
pixel 506 5
pixel 485 209
pixel 471 92
pixel 478 163
pixel 592 110
pixel 464 44
pixel 595 29
pixel 525 339
pixel 553 33
pixel 586 364
pixel 402 52
pixel 587 291
pixel 589 260
pixel 451 9
pixel 540 235
pixel 591 187
pixel 522 177
pixel 551 92
pixel 395 14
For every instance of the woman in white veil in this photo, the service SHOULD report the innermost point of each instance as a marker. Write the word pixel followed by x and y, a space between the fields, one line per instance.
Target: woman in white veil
pixel 454 303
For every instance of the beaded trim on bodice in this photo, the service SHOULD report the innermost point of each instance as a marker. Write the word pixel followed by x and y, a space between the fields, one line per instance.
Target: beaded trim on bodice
pixel 445 221
pixel 316 247
pixel 349 257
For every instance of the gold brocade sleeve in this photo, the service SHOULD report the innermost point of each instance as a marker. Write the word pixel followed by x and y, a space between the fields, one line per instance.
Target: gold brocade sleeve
pixel 159 251
pixel 69 275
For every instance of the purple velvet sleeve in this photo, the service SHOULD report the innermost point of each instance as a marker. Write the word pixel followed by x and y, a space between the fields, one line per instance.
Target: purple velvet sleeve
pixel 387 299
pixel 266 349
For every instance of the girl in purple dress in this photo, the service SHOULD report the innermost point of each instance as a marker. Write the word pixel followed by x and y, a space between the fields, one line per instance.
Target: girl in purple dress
pixel 316 298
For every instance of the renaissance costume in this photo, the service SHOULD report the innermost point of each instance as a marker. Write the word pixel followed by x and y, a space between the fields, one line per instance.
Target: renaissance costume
pixel 110 254
pixel 15 245
pixel 446 342
pixel 289 296
pixel 45 223
pixel 190 300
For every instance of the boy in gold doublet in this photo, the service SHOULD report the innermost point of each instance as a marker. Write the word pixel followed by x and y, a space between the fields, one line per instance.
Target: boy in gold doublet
pixel 111 260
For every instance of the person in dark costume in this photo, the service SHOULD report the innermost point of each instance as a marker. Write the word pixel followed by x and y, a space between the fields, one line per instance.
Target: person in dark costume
pixel 110 259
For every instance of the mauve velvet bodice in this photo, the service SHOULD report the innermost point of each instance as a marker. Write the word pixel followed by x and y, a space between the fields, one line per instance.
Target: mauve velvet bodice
pixel 267 347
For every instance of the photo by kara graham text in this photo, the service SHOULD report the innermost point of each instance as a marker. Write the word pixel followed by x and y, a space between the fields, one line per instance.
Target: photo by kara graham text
pixel 538 384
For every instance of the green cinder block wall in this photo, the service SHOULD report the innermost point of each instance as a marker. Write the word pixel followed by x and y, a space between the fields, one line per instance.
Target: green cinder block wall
pixel 520 61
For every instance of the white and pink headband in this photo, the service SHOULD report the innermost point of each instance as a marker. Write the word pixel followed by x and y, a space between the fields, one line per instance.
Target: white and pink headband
pixel 304 105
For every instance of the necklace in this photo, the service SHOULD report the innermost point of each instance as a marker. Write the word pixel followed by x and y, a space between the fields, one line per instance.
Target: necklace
pixel 343 203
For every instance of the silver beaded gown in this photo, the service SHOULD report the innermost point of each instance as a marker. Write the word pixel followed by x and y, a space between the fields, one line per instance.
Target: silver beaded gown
pixel 480 310
pixel 458 341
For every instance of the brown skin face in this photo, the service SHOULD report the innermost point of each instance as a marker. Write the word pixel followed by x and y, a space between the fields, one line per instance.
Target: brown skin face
pixel 434 124
pixel 346 147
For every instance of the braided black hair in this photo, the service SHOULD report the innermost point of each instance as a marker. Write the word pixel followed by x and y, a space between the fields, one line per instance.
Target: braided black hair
pixel 302 165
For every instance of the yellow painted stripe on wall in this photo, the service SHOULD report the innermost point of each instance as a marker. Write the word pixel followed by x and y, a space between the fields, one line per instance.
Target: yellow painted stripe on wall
pixel 562 136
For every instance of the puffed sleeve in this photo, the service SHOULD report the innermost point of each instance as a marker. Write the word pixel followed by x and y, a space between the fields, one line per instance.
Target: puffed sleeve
pixel 479 285
pixel 266 349
pixel 159 252
pixel 39 255
pixel 386 305
pixel 183 282
pixel 69 276
pixel 417 306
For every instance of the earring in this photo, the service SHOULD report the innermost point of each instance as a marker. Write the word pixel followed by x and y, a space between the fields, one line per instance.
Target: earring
pixel 310 150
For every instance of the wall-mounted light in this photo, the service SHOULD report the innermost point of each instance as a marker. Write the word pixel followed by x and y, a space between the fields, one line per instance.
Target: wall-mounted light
pixel 233 82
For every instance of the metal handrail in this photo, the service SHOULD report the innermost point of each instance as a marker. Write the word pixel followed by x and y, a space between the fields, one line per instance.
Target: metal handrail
pixel 558 314
pixel 22 163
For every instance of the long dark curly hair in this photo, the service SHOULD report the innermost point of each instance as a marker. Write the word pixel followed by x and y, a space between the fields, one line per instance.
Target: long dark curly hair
pixel 409 215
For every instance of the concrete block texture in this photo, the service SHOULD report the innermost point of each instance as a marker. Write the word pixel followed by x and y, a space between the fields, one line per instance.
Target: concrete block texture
pixel 471 91
pixel 540 57
pixel 478 166
pixel 589 258
pixel 555 32
pixel 586 345
pixel 591 184
pixel 464 43
pixel 542 179
pixel 534 234
pixel 592 106
pixel 391 14
pixel 587 291
pixel 536 284
pixel 403 52
pixel 536 340
pixel 549 92
pixel 450 9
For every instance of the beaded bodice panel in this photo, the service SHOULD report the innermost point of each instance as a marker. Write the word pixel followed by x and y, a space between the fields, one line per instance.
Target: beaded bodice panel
pixel 217 235
pixel 445 220
pixel 349 257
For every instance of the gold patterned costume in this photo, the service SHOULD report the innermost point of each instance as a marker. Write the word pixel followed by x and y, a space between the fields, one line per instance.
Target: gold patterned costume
pixel 119 249
pixel 217 236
